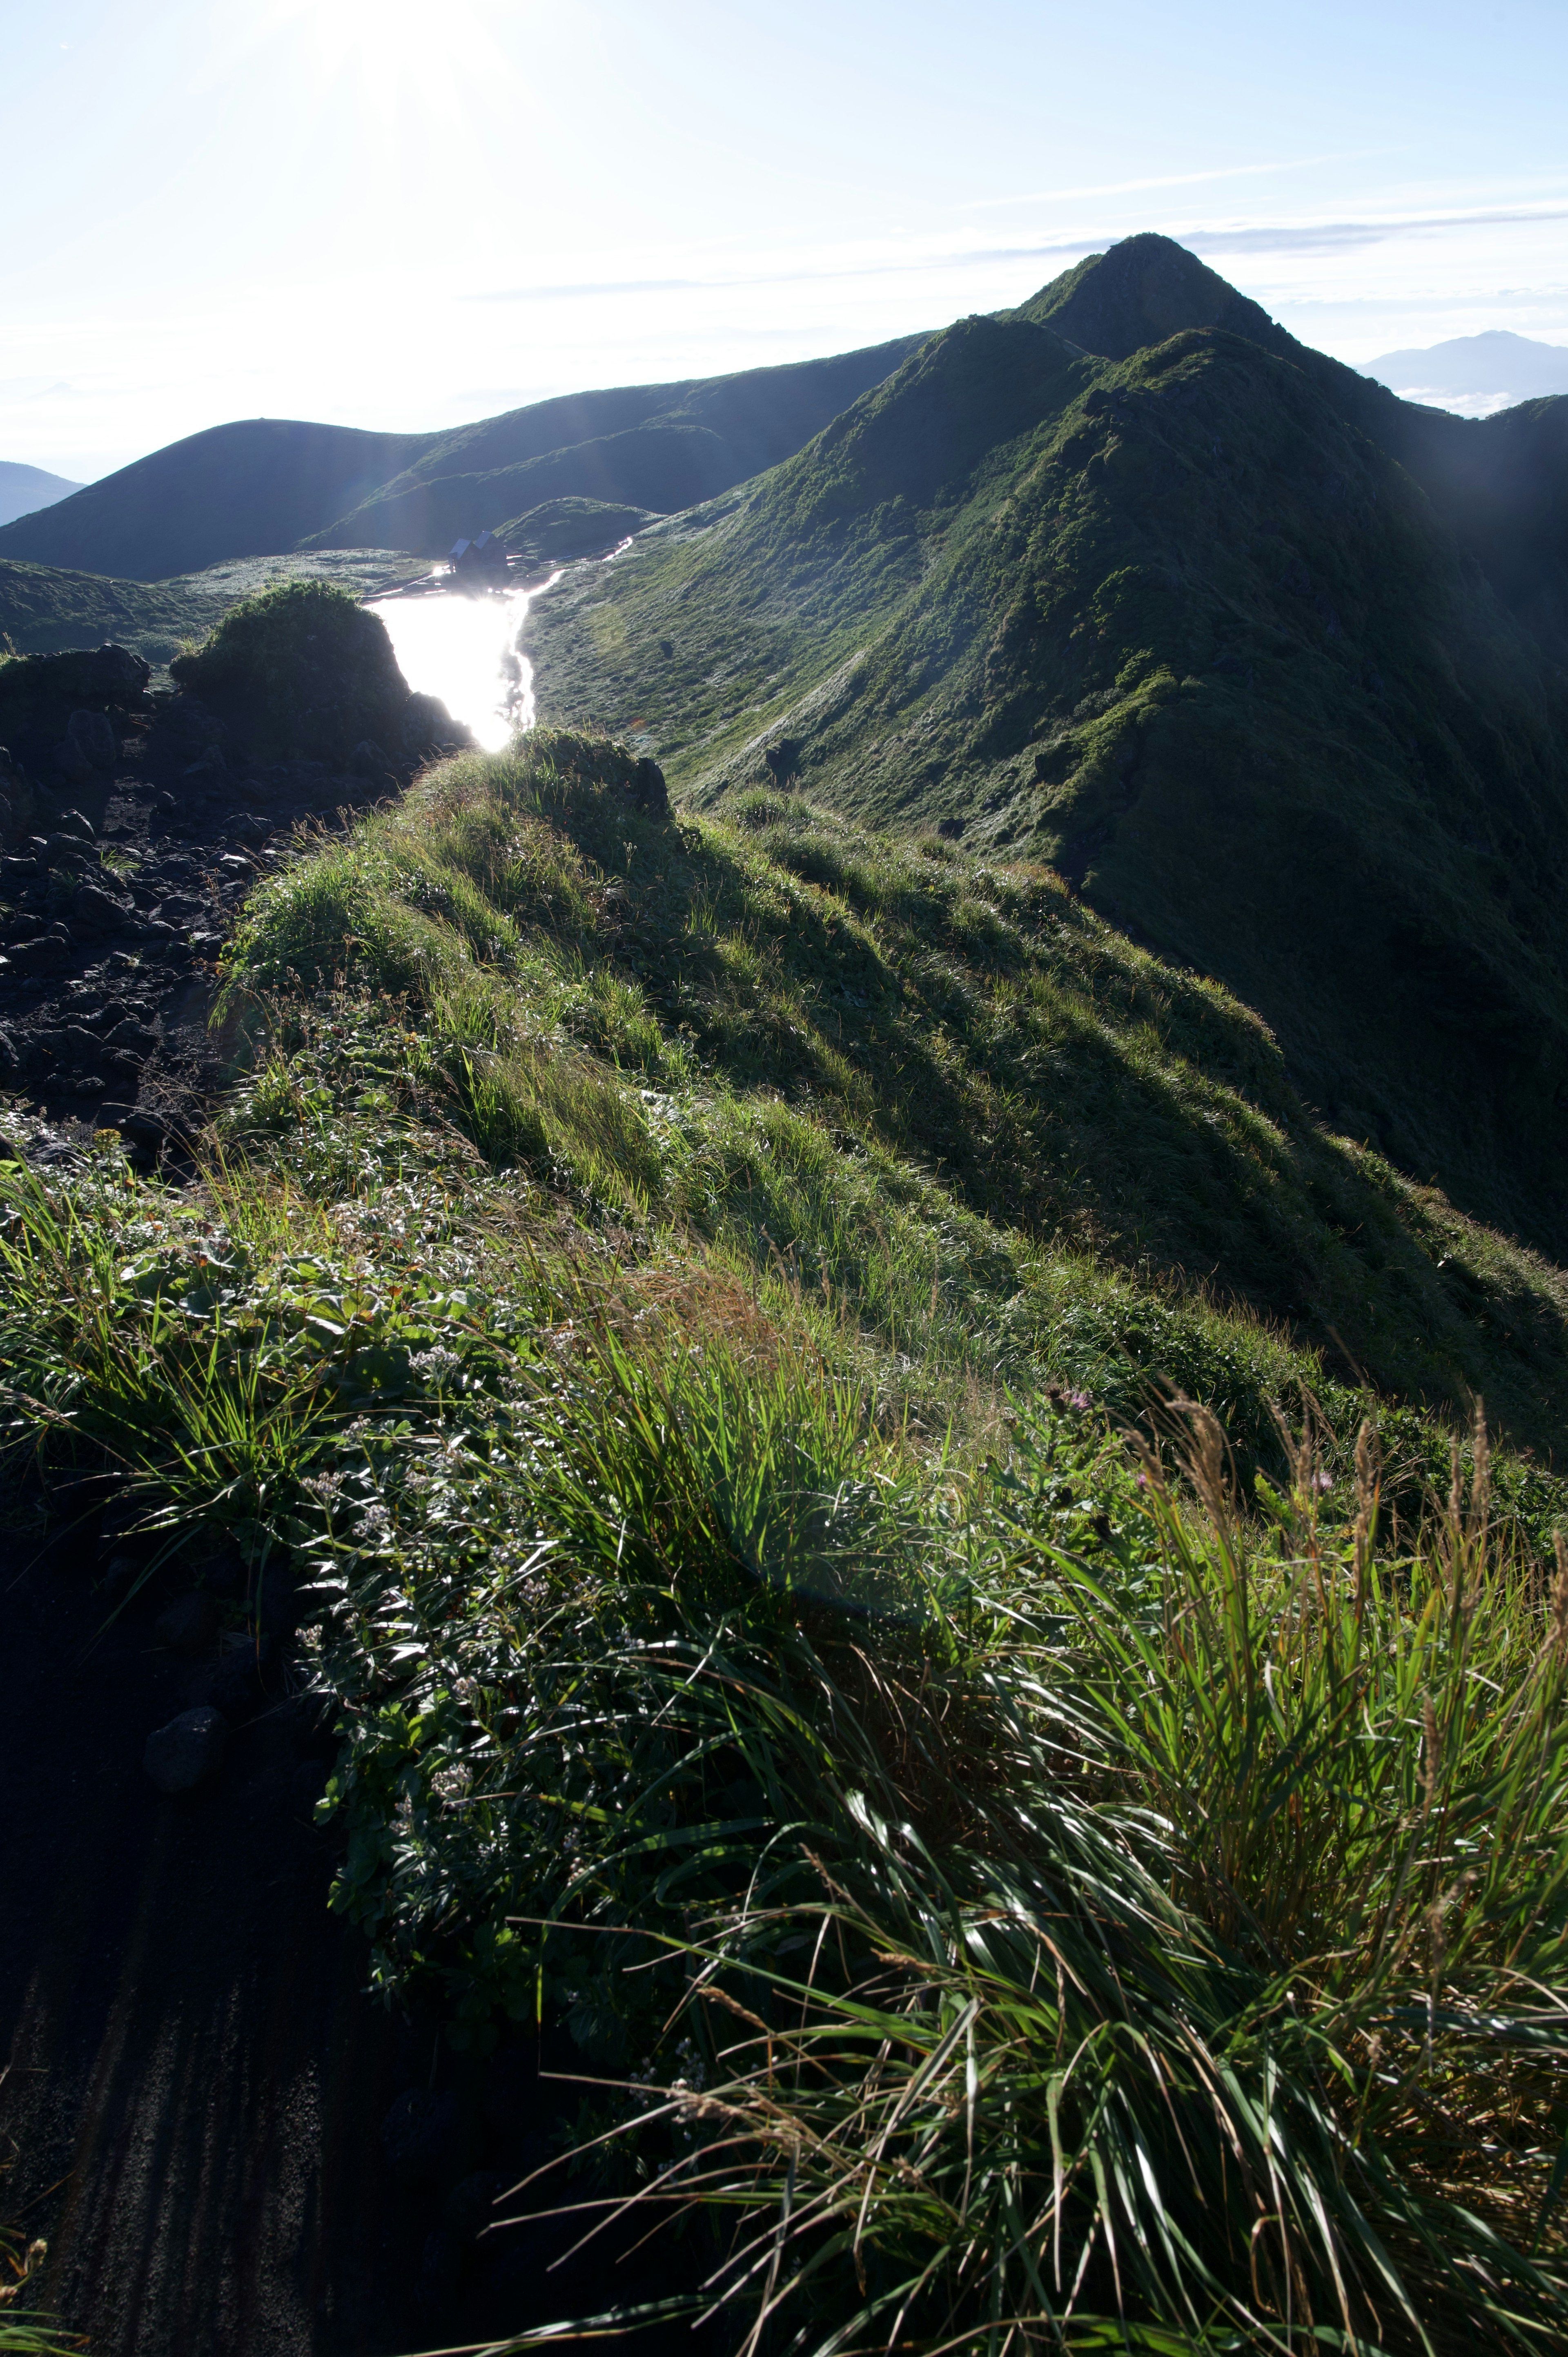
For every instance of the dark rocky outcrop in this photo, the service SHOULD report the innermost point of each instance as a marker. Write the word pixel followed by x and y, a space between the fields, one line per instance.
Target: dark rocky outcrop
pixel 62 719
pixel 305 671
pixel 122 860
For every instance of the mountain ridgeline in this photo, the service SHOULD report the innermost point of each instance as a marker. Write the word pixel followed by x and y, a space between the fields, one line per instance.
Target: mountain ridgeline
pixel 264 486
pixel 1267 662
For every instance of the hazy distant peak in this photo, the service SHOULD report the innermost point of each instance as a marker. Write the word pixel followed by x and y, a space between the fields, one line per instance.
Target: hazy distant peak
pixel 1496 363
pixel 25 490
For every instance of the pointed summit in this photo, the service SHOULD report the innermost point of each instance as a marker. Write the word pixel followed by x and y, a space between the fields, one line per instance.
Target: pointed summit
pixel 1144 290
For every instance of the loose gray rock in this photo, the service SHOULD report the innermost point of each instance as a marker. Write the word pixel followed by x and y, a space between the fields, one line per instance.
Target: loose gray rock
pixel 63 849
pixel 186 1751
pixel 95 911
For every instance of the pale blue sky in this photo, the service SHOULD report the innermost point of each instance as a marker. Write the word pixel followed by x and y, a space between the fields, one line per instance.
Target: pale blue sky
pixel 410 212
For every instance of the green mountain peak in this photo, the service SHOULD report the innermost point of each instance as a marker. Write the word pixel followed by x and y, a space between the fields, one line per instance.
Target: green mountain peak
pixel 1255 654
pixel 1143 290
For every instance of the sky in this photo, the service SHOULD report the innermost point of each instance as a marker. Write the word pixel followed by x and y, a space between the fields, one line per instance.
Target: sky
pixel 409 213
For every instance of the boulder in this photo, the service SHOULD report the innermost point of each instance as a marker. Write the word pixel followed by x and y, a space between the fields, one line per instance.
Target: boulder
pixel 96 739
pixel 427 726
pixel 68 851
pixel 649 792
pixel 18 803
pixel 39 694
pixel 132 1038
pixel 238 1681
pixel 72 764
pixel 94 911
pixel 190 1625
pixel 187 1751
pixel 368 761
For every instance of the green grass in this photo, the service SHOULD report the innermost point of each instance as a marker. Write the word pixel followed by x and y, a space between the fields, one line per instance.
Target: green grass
pixel 937 1086
pixel 1106 613
pixel 44 611
pixel 693 1299
pixel 1030 1890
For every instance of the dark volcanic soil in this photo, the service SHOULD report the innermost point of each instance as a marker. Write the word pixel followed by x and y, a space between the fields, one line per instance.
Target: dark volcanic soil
pixel 110 921
pixel 231 2149
pixel 193 2068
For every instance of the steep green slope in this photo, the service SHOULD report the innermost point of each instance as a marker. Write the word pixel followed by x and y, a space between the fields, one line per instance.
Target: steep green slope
pixel 572 1338
pixel 1500 483
pixel 1178 625
pixel 948 1095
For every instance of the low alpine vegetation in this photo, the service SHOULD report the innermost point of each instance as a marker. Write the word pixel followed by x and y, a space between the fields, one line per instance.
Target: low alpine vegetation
pixel 1041 1790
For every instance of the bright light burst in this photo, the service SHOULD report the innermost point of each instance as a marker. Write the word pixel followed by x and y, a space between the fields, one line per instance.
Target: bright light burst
pixel 399 66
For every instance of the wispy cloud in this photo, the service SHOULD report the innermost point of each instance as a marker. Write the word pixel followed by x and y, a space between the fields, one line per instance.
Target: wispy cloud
pixel 1242 237
pixel 571 293
pixel 1325 237
pixel 1167 180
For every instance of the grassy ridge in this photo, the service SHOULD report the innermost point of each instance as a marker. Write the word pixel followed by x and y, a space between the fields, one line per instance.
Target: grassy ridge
pixel 938 1081
pixel 1057 1897
pixel 1188 634
pixel 1010 1876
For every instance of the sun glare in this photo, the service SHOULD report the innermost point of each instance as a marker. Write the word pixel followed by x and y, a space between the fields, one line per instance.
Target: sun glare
pixel 388 64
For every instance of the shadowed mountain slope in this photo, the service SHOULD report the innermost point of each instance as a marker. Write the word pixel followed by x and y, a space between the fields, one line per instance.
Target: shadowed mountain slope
pixel 1500 483
pixel 656 447
pixel 246 490
pixel 1174 620
pixel 266 486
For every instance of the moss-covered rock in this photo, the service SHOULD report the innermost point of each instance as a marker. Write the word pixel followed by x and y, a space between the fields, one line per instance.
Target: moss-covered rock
pixel 301 669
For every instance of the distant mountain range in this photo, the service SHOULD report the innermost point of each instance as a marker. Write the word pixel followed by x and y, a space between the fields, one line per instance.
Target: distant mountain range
pixel 1267 662
pixel 1498 367
pixel 25 488
pixel 264 486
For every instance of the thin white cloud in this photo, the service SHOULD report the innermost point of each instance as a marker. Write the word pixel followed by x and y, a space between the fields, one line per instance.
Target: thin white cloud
pixel 1170 180
pixel 1282 237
